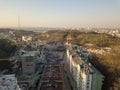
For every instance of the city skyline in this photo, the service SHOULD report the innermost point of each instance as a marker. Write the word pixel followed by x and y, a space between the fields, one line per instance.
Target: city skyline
pixel 62 13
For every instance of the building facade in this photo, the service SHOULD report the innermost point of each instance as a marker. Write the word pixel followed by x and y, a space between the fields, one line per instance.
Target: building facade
pixel 85 76
pixel 28 63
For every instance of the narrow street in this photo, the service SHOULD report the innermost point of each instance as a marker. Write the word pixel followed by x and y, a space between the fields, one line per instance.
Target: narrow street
pixel 53 77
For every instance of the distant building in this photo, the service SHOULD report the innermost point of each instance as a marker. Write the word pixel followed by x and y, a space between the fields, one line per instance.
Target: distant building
pixel 68 40
pixel 53 45
pixel 26 38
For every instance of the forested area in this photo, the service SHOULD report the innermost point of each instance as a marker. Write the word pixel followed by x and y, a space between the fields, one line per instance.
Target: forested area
pixel 6 48
pixel 108 64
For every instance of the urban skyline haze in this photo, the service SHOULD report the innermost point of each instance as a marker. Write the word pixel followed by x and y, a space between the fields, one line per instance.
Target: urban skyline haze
pixel 60 13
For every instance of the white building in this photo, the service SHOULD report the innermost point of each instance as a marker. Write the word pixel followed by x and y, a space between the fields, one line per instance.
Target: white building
pixel 26 38
pixel 8 82
pixel 84 75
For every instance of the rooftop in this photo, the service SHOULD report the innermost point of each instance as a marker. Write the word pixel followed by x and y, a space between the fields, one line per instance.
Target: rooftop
pixel 30 53
pixel 80 57
pixel 8 82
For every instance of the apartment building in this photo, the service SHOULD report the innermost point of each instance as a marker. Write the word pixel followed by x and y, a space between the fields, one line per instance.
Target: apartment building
pixel 28 62
pixel 85 76
pixel 9 82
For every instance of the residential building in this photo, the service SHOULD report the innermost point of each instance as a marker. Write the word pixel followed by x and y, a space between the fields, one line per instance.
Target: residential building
pixel 28 62
pixel 8 82
pixel 26 38
pixel 85 76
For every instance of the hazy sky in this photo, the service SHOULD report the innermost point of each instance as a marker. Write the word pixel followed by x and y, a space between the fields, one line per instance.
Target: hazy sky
pixel 60 13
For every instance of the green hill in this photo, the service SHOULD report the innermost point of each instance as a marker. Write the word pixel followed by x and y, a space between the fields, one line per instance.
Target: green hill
pixel 108 64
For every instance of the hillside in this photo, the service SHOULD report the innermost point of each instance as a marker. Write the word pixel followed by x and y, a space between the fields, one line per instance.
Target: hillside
pixel 108 64
pixel 100 40
pixel 6 48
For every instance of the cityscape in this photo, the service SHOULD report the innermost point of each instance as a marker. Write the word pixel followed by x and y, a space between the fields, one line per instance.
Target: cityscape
pixel 53 65
pixel 60 45
pixel 34 64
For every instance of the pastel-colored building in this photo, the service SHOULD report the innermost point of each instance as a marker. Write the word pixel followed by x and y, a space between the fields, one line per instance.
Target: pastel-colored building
pixel 85 76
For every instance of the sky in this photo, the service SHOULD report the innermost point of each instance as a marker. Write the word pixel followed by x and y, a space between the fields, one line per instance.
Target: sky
pixel 60 13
